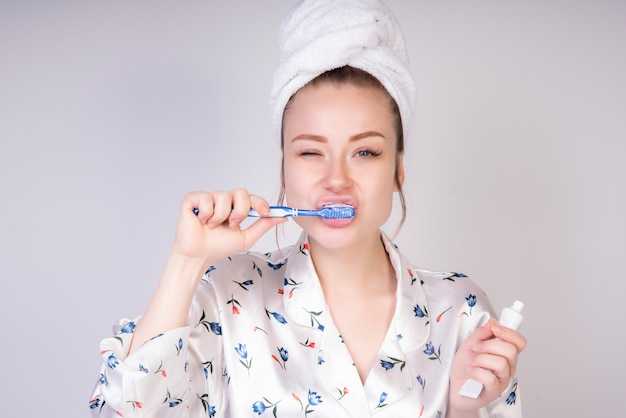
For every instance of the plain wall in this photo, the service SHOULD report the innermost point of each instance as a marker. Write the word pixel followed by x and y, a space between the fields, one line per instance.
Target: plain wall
pixel 111 111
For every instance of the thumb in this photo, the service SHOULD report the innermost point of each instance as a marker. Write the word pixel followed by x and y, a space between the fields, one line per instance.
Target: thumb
pixel 255 231
pixel 483 333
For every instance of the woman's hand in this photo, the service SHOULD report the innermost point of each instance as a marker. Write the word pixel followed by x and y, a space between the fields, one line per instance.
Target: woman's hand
pixel 489 355
pixel 202 239
pixel 215 232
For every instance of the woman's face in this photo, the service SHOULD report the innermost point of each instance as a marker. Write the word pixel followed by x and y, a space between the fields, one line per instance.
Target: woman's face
pixel 340 147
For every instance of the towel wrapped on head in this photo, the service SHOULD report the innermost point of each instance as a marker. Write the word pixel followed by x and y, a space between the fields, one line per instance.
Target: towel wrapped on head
pixel 320 35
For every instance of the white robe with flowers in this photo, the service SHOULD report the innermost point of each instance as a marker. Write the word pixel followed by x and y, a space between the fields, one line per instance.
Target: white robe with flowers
pixel 260 341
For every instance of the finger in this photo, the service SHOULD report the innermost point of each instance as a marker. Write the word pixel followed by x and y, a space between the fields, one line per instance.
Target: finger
pixel 484 376
pixel 240 206
pixel 255 231
pixel 222 207
pixel 509 335
pixel 199 204
pixel 260 205
pixel 497 365
pixel 501 348
pixel 479 335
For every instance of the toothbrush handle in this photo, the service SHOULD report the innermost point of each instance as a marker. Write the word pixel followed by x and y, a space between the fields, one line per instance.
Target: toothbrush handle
pixel 275 212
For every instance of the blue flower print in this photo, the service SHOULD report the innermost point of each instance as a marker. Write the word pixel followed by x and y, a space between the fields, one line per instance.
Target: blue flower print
pixel 213 327
pixel 216 328
pixel 421 313
pixel 259 406
pixel 284 355
pixel 112 361
pixel 275 266
pixel 142 368
pixel 95 402
pixel 175 402
pixel 387 365
pixel 179 346
pixel 430 351
pixel 242 351
pixel 258 270
pixel 208 368
pixel 129 328
pixel 276 316
pixel 209 409
pixel 313 400
pixel 421 381
pixel 320 360
pixel 244 285
pixel 510 400
pixel 102 379
pixel 381 401
pixel 471 302
pixel 313 316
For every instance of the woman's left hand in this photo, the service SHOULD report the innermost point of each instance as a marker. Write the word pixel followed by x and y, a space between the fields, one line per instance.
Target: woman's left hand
pixel 489 355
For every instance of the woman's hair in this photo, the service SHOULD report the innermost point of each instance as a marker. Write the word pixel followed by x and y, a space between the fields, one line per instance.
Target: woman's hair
pixel 358 78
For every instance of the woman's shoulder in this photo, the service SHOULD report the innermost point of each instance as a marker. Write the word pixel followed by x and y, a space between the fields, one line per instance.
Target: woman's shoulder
pixel 449 282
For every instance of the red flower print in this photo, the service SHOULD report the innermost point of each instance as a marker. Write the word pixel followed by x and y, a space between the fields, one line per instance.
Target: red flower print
pixel 234 302
pixel 163 373
pixel 308 344
pixel 441 314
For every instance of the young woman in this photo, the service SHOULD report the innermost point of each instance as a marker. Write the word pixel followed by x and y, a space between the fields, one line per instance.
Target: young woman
pixel 339 324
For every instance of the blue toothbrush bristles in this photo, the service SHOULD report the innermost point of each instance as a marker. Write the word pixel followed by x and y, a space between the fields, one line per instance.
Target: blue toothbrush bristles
pixel 343 212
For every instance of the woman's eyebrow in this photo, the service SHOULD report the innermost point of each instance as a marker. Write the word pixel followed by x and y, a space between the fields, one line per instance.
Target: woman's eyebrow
pixel 320 138
pixel 367 134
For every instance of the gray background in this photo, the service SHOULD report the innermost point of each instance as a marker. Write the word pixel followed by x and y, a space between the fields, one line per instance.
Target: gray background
pixel 110 111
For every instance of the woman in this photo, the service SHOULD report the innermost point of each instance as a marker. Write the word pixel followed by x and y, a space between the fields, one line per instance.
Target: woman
pixel 340 324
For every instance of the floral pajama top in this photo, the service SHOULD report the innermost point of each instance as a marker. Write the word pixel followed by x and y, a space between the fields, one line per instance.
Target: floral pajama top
pixel 260 342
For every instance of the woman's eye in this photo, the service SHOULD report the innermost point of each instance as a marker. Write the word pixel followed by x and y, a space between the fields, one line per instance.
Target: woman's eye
pixel 367 153
pixel 309 152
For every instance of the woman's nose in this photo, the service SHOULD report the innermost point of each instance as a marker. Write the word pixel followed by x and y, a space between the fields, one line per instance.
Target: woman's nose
pixel 337 176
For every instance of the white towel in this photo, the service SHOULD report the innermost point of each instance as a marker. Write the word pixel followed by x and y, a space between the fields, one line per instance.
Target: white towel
pixel 321 35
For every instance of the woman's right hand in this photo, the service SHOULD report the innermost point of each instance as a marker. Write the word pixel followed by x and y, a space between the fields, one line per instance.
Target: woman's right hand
pixel 215 232
pixel 201 240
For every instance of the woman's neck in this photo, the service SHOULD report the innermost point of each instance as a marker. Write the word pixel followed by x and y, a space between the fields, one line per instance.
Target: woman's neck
pixel 360 268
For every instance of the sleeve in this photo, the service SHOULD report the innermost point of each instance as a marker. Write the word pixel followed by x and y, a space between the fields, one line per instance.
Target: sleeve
pixel 174 374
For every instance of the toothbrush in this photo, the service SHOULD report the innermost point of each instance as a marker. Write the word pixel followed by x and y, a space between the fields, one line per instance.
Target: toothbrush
pixel 510 318
pixel 327 212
